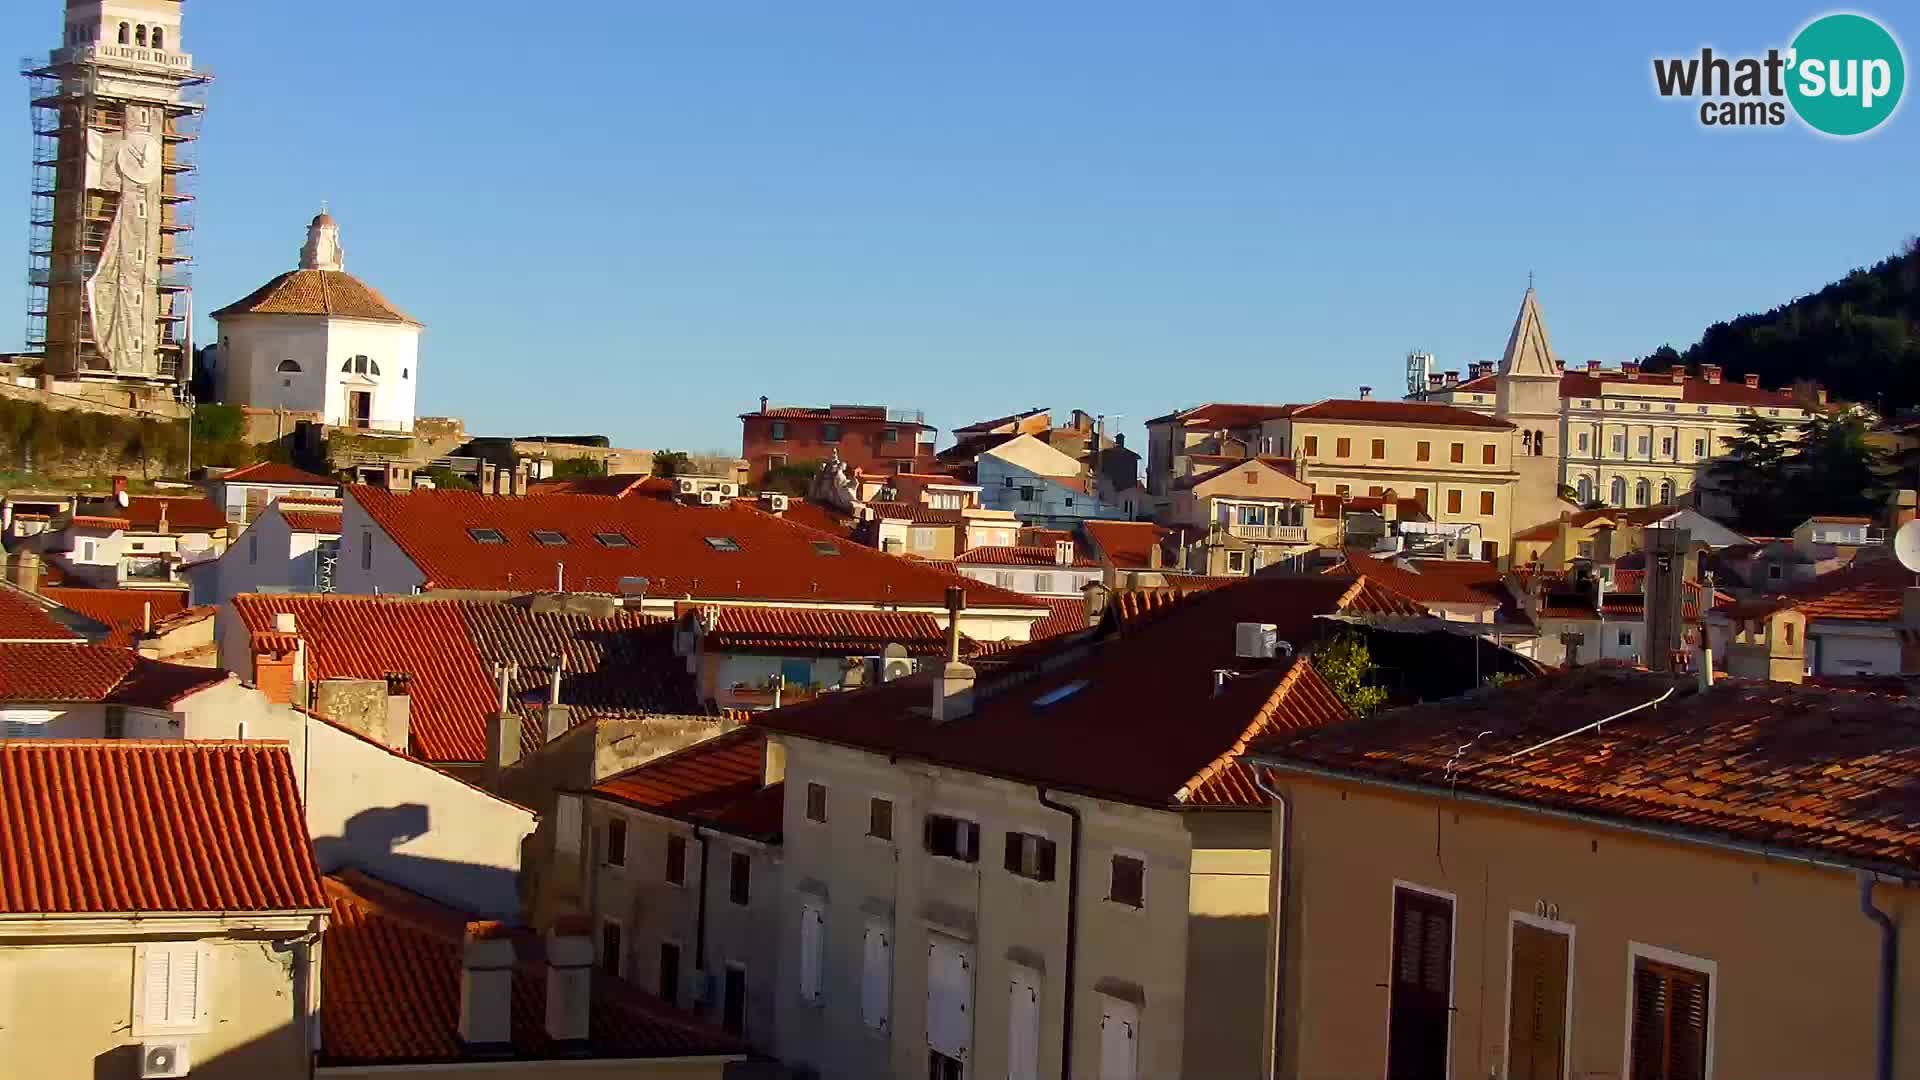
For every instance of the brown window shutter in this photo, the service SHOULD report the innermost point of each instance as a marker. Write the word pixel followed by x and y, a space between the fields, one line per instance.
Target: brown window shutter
pixel 1669 1022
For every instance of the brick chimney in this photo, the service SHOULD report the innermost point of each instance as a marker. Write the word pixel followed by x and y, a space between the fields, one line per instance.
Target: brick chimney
pixel 1751 380
pixel 1679 375
pixel 1452 380
pixel 953 684
pixel 486 988
pixel 1593 367
pixel 1631 371
pixel 569 981
pixel 1711 373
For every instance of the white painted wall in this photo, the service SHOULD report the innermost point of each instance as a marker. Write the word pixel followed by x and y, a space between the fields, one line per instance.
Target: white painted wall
pixel 1854 649
pixel 269 556
pixel 370 562
pixel 252 347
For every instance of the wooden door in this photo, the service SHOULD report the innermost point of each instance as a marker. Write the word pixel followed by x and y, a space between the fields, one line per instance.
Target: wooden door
pixel 1420 989
pixel 1537 1005
pixel 360 406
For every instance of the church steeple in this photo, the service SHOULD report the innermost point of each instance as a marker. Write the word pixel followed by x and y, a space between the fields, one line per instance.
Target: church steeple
pixel 1529 353
pixel 322 249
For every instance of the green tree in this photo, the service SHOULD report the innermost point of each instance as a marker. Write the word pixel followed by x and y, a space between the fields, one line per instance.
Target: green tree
pixel 579 466
pixel 1346 664
pixel 795 479
pixel 1835 470
pixel 1754 474
pixel 445 479
pixel 670 463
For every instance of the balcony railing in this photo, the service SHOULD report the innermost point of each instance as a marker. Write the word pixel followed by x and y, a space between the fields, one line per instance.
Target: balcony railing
pixel 1285 534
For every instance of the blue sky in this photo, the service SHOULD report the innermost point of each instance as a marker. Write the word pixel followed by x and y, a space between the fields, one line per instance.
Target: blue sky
pixel 636 218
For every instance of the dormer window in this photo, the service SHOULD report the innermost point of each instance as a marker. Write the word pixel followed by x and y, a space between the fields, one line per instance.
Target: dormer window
pixel 825 547
pixel 486 536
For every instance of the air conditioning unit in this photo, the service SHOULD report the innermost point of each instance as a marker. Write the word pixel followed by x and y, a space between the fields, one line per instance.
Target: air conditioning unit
pixel 164 1060
pixel 896 668
pixel 731 491
pixel 775 502
pixel 1255 641
pixel 686 485
pixel 710 497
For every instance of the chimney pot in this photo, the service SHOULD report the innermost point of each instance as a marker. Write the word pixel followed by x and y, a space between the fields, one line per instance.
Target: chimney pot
pixel 1593 367
pixel 1711 373
pixel 1366 392
pixel 763 403
pixel 486 987
pixel 569 980
pixel 1751 380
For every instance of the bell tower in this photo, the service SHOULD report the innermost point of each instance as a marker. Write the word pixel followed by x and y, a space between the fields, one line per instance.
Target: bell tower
pixel 116 111
pixel 1527 392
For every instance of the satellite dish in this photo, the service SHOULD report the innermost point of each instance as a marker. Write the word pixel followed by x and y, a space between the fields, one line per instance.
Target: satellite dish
pixel 121 498
pixel 1906 546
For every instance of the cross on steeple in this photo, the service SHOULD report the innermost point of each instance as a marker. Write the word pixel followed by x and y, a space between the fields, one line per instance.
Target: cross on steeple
pixel 1529 279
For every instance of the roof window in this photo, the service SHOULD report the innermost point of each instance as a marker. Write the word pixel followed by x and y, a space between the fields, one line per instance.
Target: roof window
pixel 611 539
pixel 487 536
pixel 723 543
pixel 825 547
pixel 1059 694
pixel 549 537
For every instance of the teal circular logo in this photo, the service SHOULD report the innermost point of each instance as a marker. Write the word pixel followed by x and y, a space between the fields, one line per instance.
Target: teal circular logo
pixel 1845 74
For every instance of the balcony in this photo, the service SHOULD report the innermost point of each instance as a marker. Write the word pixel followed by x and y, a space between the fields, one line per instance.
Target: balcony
pixel 1278 534
pixel 146 568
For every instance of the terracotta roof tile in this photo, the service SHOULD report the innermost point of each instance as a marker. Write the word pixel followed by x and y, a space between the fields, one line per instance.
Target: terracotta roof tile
pixel 25 618
pixel 1128 545
pixel 613 485
pixel 918 513
pixel 1223 415
pixel 1694 391
pixel 718 782
pixel 1805 769
pixel 1429 581
pixel 273 472
pixel 823 631
pixel 183 513
pixel 333 293
pixel 667 543
pixel 125 611
pixel 149 826
pixel 1066 614
pixel 1864 592
pixel 58 672
pixel 1383 411
pixel 391 988
pixel 1021 556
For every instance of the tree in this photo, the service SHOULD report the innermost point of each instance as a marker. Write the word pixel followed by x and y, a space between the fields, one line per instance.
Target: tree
pixel 1346 664
pixel 795 479
pixel 670 463
pixel 579 466
pixel 1835 470
pixel 1754 474
pixel 445 479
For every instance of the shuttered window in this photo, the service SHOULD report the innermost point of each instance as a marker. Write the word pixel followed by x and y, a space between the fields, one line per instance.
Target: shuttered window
pixel 1420 995
pixel 813 943
pixel 1119 1039
pixel 950 999
pixel 173 988
pixel 1669 1022
pixel 1537 1005
pixel 1453 500
pixel 1023 1025
pixel 876 977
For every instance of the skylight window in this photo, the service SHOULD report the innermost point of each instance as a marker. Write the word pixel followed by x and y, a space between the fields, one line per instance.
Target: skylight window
pixel 1059 694
pixel 611 539
pixel 549 537
pixel 825 547
pixel 487 536
pixel 723 543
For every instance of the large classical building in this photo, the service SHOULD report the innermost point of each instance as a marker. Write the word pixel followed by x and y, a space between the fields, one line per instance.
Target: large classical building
pixel 1621 436
pixel 115 113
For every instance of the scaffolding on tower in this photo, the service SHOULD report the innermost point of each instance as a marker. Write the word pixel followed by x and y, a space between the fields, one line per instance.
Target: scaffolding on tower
pixel 71 209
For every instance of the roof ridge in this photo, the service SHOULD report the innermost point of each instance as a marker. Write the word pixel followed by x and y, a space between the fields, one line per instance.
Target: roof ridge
pixel 1261 717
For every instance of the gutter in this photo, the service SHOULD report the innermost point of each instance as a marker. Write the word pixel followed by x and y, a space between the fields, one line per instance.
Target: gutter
pixel 1073 926
pixel 1285 894
pixel 1889 970
pixel 700 915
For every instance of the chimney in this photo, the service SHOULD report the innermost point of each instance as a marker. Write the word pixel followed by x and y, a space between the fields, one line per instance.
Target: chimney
pixel 558 717
pixel 1435 380
pixel 1632 372
pixel 503 728
pixel 1711 373
pixel 1593 367
pixel 1679 375
pixel 569 981
pixel 284 622
pixel 1452 379
pixel 359 705
pixel 763 404
pixel 773 765
pixel 1063 553
pixel 120 490
pixel 1752 381
pixel 953 685
pixel 163 510
pixel 486 988
pixel 273 673
pixel 146 616
pixel 1120 438
pixel 399 711
pixel 1366 392
pixel 23 570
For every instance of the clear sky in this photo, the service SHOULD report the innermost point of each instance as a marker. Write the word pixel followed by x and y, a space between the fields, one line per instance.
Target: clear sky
pixel 637 218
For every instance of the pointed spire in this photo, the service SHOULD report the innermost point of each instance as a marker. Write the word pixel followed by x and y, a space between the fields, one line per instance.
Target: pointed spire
pixel 1528 350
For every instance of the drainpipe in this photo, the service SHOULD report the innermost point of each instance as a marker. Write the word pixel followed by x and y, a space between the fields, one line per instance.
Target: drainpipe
pixel 700 914
pixel 1285 894
pixel 1889 964
pixel 1073 927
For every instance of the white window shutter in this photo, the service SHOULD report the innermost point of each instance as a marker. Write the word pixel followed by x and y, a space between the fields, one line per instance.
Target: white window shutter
pixel 876 977
pixel 159 986
pixel 1119 1040
pixel 1023 1026
pixel 185 981
pixel 812 944
pixel 950 1000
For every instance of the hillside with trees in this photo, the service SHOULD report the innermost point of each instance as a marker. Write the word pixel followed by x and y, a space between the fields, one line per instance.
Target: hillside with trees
pixel 1859 337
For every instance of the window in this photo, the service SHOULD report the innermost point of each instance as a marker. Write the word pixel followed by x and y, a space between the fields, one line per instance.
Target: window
pixel 1023 1025
pixel 740 879
pixel 1671 1021
pixel 1773 571
pixel 813 943
pixel 816 802
pixel 669 973
pixel 1374 491
pixel 1453 500
pixel 1003 578
pixel 1236 562
pixel 1666 492
pixel 1786 629
pixel 949 1003
pixel 1423 451
pixel 1702 410
pixel 1666 447
pixel 1309 445
pixel 1341 490
pixel 610 948
pixel 1699 448
pixel 611 540
pixel 1773 412
pixel 174 985
pixel 1585 549
pixel 1119 1039
pixel 825 547
pixel 289 366
pixel 778 431
pixel 1620 444
pixel 616 853
pixel 1030 856
pixel 1420 991
pixel 1043 583
pixel 1026 492
pixel 1379 449
pixel 366 550
pixel 1626 639
pixel 876 976
pixel 140 36
pixel 953 838
pixel 1581 442
pixel 1536 1003
pixel 1585 490
pixel 1644 445
pixel 733 1008
pixel 677 860
pixel 880 818
pixel 117 714
pixel 1617 491
pixel 253 550
pixel 359 365
pixel 1458 452
pixel 549 538
pixel 1641 491
pixel 1007 481
pixel 125 33
pixel 723 543
pixel 942 1067
pixel 487 536
pixel 830 433
pixel 890 435
pixel 1128 884
pixel 88 550
pixel 1486 504
pixel 1488 455
pixel 1253 478
pixel 1342 447
pixel 1069 502
pixel 923 539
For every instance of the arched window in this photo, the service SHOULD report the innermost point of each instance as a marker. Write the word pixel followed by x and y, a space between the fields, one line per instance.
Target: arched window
pixel 159 38
pixel 1585 489
pixel 126 33
pixel 360 365
pixel 1666 492
pixel 1526 442
pixel 140 36
pixel 1539 443
pixel 289 365
pixel 1640 491
pixel 1617 496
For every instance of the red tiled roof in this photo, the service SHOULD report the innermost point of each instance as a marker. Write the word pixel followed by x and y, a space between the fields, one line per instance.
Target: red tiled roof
pixel 25 618
pixel 184 513
pixel 1789 767
pixel 1864 592
pixel 391 987
pixel 1145 724
pixel 668 542
pixel 613 485
pixel 986 426
pixel 58 672
pixel 273 472
pixel 312 521
pixel 918 513
pixel 318 292
pixel 1020 556
pixel 831 412
pixel 1830 519
pixel 623 666
pixel 126 611
pixel 1383 411
pixel 1694 391
pixel 823 631
pixel 1066 614
pixel 147 826
pixel 825 518
pixel 1283 466
pixel 1223 415
pixel 717 782
pixel 1128 545
pixel 1428 581
pixel 97 521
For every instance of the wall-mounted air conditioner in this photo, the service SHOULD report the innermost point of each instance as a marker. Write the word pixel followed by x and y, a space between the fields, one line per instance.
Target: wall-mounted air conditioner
pixel 775 502
pixel 686 485
pixel 164 1060
pixel 710 497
